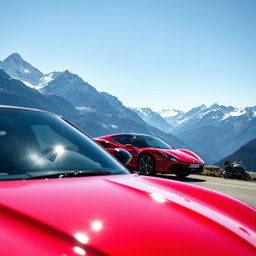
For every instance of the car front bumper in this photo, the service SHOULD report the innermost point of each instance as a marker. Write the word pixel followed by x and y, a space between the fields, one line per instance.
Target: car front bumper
pixel 186 169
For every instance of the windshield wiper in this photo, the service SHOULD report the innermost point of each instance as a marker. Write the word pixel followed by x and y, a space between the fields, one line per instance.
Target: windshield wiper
pixel 55 174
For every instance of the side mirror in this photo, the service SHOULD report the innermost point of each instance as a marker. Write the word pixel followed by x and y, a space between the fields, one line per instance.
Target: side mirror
pixel 122 155
pixel 130 146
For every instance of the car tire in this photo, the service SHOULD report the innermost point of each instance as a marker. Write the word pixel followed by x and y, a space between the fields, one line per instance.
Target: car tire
pixel 247 176
pixel 146 165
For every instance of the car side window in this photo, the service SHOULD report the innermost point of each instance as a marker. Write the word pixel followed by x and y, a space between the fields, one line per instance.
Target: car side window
pixel 134 140
pixel 122 139
pixel 139 142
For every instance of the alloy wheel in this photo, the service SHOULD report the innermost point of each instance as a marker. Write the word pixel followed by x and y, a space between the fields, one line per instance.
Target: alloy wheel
pixel 146 165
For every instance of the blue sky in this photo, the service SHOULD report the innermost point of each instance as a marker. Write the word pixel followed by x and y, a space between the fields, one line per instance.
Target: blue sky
pixel 161 54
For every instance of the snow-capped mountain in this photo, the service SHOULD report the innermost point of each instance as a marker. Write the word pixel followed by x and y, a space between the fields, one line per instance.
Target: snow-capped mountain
pixel 153 119
pixel 19 69
pixel 216 115
pixel 46 79
pixel 169 113
pixel 77 91
pixel 14 92
pixel 216 131
pixel 67 94
pixel 177 117
pixel 213 132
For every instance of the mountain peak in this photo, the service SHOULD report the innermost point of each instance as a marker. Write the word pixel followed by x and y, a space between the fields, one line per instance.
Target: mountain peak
pixel 67 72
pixel 70 86
pixel 200 107
pixel 16 67
pixel 14 57
pixel 195 110
pixel 68 76
pixel 215 105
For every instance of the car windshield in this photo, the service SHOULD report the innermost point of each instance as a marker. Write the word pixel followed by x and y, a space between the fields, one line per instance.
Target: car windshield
pixel 141 141
pixel 34 142
pixel 144 141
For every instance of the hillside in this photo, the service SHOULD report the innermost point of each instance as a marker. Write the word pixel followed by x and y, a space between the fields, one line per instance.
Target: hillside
pixel 215 131
pixel 247 154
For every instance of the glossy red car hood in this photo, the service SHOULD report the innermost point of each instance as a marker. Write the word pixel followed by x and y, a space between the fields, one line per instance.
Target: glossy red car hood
pixel 183 155
pixel 121 215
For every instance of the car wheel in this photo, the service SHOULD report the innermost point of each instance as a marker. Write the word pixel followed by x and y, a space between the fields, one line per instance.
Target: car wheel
pixel 247 176
pixel 146 165
pixel 227 175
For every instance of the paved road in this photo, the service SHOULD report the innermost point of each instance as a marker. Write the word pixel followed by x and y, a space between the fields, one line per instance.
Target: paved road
pixel 242 190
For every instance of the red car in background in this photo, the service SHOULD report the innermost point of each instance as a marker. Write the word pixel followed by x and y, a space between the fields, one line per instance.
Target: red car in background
pixel 151 155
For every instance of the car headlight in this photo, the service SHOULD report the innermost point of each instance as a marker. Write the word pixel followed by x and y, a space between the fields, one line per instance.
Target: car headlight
pixel 173 158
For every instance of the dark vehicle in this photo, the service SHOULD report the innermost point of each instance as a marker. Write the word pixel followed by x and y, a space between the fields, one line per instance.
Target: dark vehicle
pixel 235 170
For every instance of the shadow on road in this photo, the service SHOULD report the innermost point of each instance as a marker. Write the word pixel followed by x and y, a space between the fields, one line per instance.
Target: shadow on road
pixel 174 177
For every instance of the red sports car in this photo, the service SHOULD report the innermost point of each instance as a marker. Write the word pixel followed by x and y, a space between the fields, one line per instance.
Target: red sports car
pixel 151 155
pixel 62 194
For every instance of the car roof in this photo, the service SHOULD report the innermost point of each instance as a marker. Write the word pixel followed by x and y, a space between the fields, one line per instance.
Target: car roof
pixel 23 108
pixel 131 134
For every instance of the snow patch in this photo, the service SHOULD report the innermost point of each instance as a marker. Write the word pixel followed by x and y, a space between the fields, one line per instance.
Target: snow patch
pixel 85 109
pixel 183 120
pixel 26 71
pixel 143 111
pixel 46 79
pixel 237 112
pixel 168 113
pixel 202 114
pixel 27 84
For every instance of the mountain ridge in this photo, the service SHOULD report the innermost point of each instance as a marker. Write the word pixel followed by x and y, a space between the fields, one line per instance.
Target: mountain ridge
pixel 15 66
pixel 92 111
pixel 153 118
pixel 213 132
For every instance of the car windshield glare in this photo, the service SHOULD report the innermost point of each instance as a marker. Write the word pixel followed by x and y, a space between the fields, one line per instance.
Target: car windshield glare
pixel 145 141
pixel 141 141
pixel 35 141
